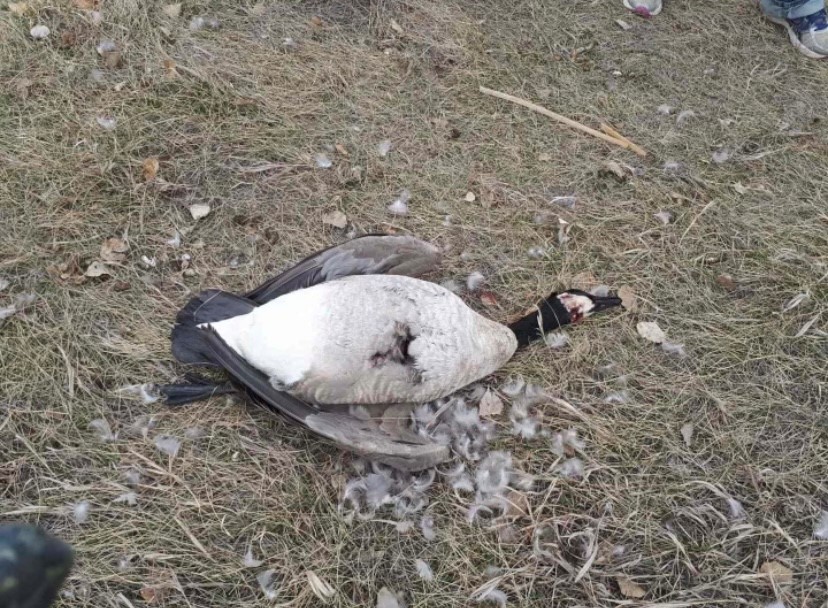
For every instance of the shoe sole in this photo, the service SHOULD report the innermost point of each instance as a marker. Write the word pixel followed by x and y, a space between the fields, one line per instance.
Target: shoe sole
pixel 629 6
pixel 794 38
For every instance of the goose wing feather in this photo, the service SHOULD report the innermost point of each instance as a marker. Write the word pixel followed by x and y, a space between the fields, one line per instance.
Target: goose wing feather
pixel 359 436
pixel 370 254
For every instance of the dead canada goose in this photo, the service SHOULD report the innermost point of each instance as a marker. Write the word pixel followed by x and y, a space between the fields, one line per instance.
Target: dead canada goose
pixel 353 325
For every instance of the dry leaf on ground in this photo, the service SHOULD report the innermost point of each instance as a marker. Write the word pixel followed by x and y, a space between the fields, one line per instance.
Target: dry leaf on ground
pixel 650 330
pixel 114 249
pixel 777 573
pixel 628 298
pixel 173 11
pixel 628 588
pixel 97 269
pixel 490 404
pixel 199 210
pixel 150 168
pixel 337 219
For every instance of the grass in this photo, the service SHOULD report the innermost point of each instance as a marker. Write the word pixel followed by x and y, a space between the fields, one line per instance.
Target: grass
pixel 235 98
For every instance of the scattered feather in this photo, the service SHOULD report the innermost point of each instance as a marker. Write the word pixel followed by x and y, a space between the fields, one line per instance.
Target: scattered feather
pixel 168 445
pixel 132 477
pixel 650 330
pixel 405 526
pixel 490 404
pixel 200 23
pixel 424 571
pixel 452 285
pixel 677 350
pixel 463 483
pixel 20 303
pixel 175 241
pixel 722 155
pixel 249 561
pixel 776 604
pixel 821 528
pixel 513 387
pixel 567 202
pixel 320 588
pixel 194 433
pixel 267 584
pixel 322 161
pixel 671 166
pixel 384 147
pixel 684 116
pixel 106 46
pixel 104 431
pixel 795 301
pixel 687 431
pixel 475 281
pixel 623 24
pixel 572 468
pixel 470 197
pixel 428 529
pixel 737 511
pixel 493 473
pixel 107 123
pixel 525 428
pixel 147 393
pixel 536 253
pixel 173 11
pixel 491 595
pixel 199 210
pixel 4 283
pixel 39 32
pixel 601 291
pixel 289 44
pixel 616 397
pixel 129 498
pixel 664 109
pixel 400 205
pixel 80 511
pixel 387 599
pixel 807 326
pixel 665 217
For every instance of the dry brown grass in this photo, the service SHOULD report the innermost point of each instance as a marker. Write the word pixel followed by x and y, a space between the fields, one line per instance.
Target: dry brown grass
pixel 755 394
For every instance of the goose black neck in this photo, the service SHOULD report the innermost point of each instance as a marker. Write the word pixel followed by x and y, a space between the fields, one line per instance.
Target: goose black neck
pixel 549 315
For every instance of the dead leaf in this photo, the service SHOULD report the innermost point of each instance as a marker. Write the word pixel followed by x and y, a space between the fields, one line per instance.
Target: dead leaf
pixel 150 168
pixel 112 59
pixel 337 219
pixel 628 588
pixel 199 210
pixel 18 8
pixel 173 11
pixel 777 573
pixel 470 197
pixel 170 70
pixel 97 269
pixel 396 27
pixel 628 298
pixel 726 281
pixel 615 169
pixel 650 330
pixel 687 433
pixel 86 5
pixel 342 149
pixel 490 404
pixel 320 588
pixel 316 21
pixel 487 298
pixel 517 504
pixel 68 272
pixel 153 595
pixel 68 39
pixel 114 249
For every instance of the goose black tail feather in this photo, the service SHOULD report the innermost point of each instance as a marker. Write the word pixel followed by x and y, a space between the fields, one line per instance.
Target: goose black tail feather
pixel 188 392
pixel 211 306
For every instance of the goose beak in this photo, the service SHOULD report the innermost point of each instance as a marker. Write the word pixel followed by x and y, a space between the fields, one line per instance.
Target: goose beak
pixel 605 302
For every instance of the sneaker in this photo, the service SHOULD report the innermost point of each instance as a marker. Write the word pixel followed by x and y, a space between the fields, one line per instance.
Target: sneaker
pixel 645 8
pixel 808 34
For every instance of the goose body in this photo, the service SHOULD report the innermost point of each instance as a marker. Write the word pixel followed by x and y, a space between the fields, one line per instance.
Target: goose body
pixel 350 325
pixel 369 339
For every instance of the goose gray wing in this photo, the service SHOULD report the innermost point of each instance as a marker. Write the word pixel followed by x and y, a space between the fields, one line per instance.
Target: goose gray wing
pixel 370 254
pixel 410 453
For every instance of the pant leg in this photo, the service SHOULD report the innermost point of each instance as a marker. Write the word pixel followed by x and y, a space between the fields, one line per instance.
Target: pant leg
pixel 792 9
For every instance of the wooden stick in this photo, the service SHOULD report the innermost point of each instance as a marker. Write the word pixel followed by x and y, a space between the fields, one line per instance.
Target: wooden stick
pixel 609 130
pixel 624 143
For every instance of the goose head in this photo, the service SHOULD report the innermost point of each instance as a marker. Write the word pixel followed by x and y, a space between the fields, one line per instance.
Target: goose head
pixel 578 305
